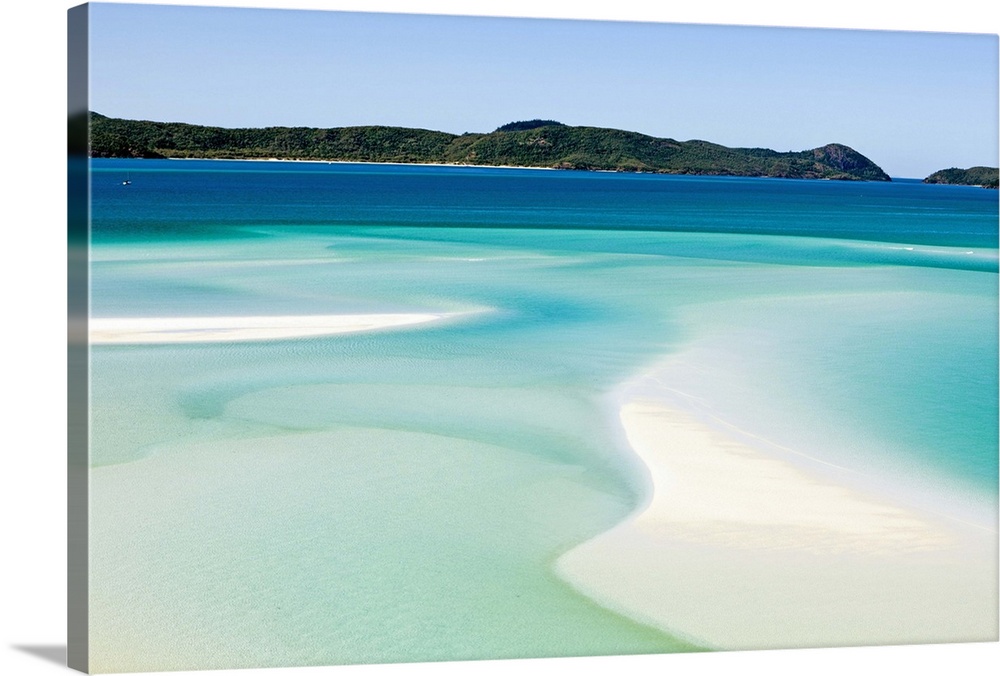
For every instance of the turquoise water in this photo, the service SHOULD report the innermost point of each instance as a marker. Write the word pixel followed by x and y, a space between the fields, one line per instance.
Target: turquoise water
pixel 401 495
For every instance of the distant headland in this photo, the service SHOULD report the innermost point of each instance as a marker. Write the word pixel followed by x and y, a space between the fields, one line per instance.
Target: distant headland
pixel 532 143
pixel 986 177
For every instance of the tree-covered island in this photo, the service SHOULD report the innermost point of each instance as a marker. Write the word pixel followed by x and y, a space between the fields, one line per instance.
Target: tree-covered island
pixel 534 143
pixel 986 177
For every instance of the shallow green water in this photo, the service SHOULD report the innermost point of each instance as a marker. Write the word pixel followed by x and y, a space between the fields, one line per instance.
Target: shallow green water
pixel 400 495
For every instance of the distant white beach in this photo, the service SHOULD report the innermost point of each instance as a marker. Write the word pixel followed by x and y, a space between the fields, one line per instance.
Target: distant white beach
pixel 400 164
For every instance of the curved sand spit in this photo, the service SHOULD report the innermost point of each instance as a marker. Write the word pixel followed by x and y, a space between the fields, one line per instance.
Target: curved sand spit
pixel 739 549
pixel 150 330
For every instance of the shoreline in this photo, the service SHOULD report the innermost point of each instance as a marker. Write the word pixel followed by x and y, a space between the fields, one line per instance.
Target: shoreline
pixel 309 161
pixel 174 330
pixel 737 549
pixel 485 166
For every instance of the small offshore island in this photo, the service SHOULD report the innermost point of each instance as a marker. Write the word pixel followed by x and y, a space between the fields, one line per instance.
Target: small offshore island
pixel 984 177
pixel 534 143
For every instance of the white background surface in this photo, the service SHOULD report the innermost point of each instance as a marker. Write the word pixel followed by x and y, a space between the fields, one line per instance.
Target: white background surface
pixel 32 379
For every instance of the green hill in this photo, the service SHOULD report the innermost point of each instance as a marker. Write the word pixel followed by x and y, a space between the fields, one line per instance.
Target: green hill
pixel 536 143
pixel 529 124
pixel 987 177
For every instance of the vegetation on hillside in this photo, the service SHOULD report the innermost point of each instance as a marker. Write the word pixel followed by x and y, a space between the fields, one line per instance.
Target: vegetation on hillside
pixel 987 177
pixel 534 143
pixel 525 125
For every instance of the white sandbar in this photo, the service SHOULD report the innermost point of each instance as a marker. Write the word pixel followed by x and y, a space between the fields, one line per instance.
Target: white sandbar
pixel 739 549
pixel 148 330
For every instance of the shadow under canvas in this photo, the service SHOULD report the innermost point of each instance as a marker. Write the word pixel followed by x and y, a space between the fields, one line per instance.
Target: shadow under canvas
pixel 50 653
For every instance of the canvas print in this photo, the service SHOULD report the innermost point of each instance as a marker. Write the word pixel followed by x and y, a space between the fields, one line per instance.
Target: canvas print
pixel 409 338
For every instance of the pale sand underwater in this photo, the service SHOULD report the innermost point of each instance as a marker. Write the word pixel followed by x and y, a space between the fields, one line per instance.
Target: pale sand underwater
pixel 739 549
pixel 345 545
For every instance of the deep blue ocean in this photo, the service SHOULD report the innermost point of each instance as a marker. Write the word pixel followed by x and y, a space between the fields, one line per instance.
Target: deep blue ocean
pixel 205 198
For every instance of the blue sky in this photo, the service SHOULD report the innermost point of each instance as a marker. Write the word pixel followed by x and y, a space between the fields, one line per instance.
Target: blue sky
pixel 912 102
